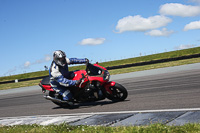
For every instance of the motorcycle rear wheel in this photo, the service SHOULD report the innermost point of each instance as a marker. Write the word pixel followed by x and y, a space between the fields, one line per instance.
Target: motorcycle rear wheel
pixel 119 93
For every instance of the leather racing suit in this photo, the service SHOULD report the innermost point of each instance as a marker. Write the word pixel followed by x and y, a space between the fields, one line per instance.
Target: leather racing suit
pixel 60 77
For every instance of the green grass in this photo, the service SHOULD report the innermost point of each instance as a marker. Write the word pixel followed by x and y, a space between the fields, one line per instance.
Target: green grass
pixel 24 76
pixel 19 84
pixel 112 63
pixel 64 128
pixel 112 72
pixel 165 55
pixel 154 66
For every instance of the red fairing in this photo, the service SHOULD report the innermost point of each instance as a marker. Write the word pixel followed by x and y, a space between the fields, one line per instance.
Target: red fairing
pixel 48 87
pixel 95 78
pixel 78 74
pixel 100 66
pixel 100 79
pixel 108 85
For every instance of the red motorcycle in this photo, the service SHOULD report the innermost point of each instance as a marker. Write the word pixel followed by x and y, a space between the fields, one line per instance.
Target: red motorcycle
pixel 94 86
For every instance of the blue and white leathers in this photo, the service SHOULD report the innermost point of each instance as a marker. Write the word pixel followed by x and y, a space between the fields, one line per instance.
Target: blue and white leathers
pixel 60 77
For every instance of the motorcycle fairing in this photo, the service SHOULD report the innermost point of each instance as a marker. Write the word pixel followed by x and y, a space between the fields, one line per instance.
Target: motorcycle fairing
pixel 78 74
pixel 46 87
pixel 108 85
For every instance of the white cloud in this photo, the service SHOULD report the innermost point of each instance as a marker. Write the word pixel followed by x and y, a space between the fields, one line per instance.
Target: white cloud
pixel 27 64
pixel 10 71
pixel 40 61
pixel 192 26
pixel 138 23
pixel 48 57
pixel 163 32
pixel 176 9
pixel 92 41
pixel 185 46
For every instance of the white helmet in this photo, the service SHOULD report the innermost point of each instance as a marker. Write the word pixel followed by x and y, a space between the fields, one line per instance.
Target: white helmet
pixel 59 58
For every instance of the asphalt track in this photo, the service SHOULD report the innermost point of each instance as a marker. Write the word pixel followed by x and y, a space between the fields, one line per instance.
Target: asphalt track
pixel 158 89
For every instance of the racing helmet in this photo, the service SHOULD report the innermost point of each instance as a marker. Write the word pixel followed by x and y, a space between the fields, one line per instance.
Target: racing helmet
pixel 59 58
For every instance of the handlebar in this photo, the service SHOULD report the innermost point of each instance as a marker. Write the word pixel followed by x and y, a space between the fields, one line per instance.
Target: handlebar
pixel 82 79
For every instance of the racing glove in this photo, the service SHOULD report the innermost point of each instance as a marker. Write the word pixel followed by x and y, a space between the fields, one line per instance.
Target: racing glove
pixel 78 81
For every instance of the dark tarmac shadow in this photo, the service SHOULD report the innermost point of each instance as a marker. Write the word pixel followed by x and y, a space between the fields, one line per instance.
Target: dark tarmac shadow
pixel 88 104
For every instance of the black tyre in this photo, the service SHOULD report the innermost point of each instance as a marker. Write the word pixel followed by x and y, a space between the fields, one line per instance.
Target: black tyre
pixel 119 93
pixel 64 105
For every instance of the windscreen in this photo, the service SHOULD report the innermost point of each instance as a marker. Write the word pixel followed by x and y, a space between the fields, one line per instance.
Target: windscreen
pixel 93 70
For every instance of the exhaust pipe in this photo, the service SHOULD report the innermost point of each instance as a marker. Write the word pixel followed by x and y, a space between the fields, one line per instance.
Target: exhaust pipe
pixel 55 100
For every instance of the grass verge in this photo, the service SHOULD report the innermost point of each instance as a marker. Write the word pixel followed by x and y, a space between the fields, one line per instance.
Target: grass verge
pixel 112 72
pixel 165 55
pixel 154 66
pixel 153 128
pixel 159 56
pixel 19 84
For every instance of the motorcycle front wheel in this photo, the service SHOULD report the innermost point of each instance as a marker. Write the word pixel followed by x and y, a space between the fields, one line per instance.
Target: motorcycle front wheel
pixel 119 93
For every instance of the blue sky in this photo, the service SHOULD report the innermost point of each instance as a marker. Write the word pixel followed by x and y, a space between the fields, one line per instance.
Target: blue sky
pixel 100 30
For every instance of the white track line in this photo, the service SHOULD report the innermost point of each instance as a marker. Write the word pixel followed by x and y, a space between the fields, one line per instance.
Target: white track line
pixel 104 113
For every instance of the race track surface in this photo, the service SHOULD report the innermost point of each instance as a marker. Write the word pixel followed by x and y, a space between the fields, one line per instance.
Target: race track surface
pixel 172 88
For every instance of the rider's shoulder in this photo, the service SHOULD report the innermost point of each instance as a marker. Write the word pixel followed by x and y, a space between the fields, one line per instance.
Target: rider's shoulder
pixel 54 65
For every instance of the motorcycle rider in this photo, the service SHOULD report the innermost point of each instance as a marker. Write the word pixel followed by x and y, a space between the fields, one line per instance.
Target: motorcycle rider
pixel 60 75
